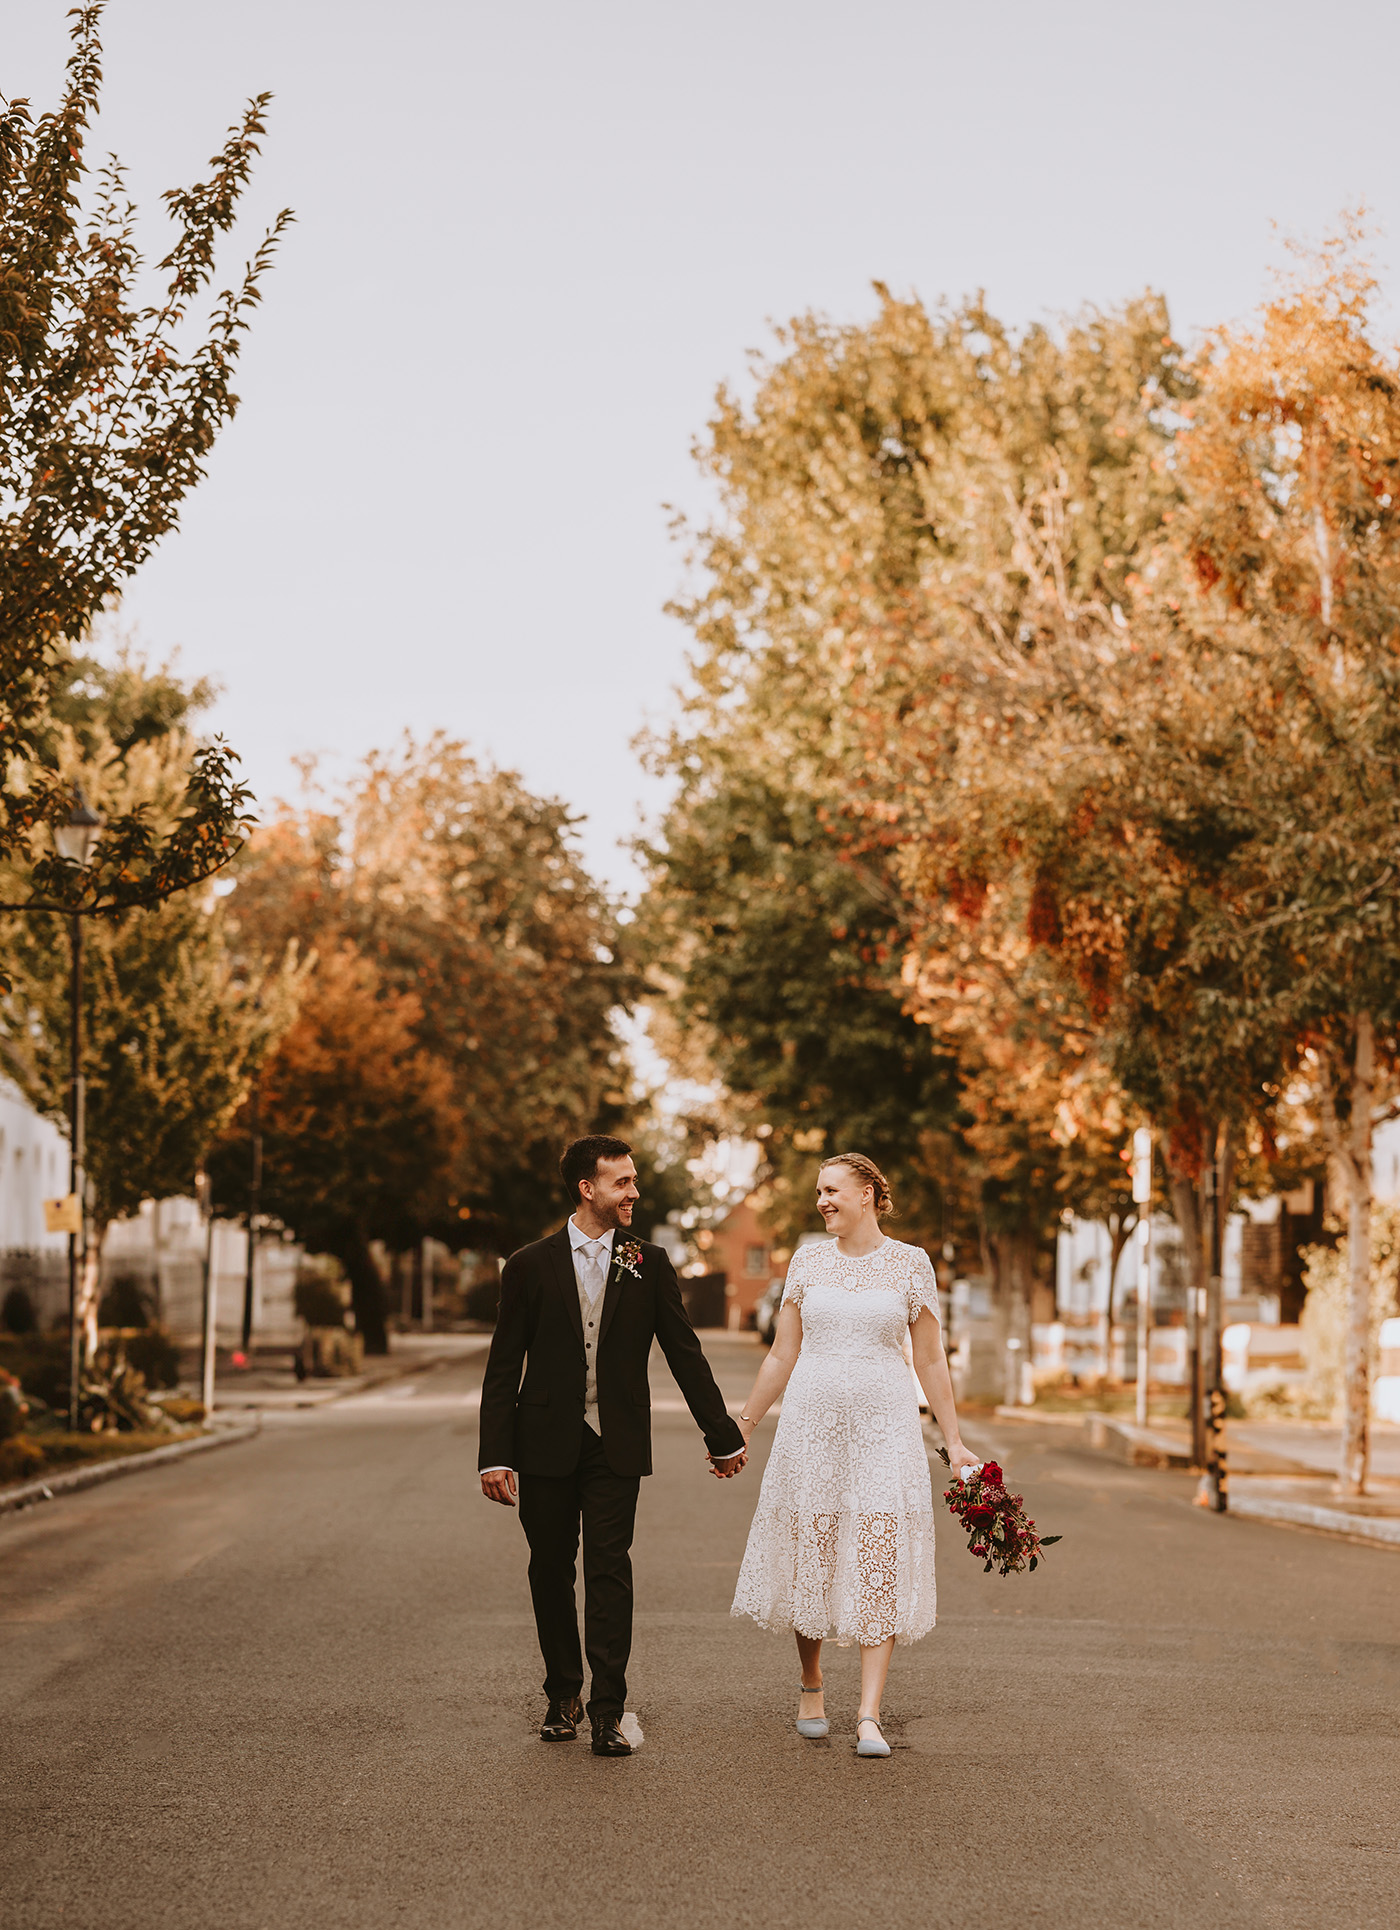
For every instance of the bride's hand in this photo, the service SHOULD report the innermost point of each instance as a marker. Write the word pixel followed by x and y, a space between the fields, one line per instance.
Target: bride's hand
pixel 959 1459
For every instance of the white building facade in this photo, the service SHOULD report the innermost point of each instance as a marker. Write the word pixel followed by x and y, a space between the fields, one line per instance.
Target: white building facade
pixel 33 1168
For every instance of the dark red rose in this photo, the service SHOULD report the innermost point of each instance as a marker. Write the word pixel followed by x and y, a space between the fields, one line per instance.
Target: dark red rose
pixel 981 1516
pixel 989 1471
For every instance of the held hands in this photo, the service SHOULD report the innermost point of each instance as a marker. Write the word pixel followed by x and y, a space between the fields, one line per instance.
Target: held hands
pixel 722 1467
pixel 499 1485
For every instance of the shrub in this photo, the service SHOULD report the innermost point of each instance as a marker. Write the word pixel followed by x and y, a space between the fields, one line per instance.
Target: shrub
pixel 17 1314
pixel 40 1363
pixel 155 1356
pixel 13 1406
pixel 124 1304
pixel 318 1303
pixel 20 1459
pixel 1282 1401
pixel 113 1396
pixel 1324 1319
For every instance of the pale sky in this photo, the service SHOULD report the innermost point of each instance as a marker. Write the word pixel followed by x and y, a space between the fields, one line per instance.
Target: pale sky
pixel 532 238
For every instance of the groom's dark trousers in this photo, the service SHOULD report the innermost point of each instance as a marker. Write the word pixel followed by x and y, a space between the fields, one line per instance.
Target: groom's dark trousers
pixel 552 1508
pixel 532 1420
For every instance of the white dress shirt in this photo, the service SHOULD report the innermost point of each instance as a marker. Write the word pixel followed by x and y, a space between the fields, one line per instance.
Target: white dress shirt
pixel 591 1281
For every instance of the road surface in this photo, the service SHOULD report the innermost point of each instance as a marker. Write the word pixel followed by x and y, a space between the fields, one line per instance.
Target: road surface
pixel 295 1683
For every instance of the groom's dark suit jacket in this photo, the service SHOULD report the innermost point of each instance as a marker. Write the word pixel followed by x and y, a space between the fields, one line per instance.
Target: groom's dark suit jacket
pixel 535 1425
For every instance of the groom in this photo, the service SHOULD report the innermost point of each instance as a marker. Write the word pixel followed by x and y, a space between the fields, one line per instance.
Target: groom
pixel 579 1312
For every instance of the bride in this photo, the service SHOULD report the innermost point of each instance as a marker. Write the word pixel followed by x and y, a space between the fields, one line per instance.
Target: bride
pixel 842 1542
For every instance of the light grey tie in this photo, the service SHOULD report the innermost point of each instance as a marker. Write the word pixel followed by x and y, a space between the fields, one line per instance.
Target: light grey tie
pixel 593 1269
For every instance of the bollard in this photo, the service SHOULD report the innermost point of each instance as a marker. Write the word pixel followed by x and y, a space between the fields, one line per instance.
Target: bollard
pixel 1217 1476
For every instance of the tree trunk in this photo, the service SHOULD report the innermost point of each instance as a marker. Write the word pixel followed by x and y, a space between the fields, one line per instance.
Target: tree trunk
pixel 1189 1209
pixel 90 1293
pixel 1120 1230
pixel 1225 1151
pixel 1012 1263
pixel 367 1296
pixel 1349 1143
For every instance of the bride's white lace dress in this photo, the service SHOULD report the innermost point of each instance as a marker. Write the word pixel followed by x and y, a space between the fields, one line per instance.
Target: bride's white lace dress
pixel 842 1543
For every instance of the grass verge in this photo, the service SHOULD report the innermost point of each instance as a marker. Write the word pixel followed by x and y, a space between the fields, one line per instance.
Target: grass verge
pixel 26 1457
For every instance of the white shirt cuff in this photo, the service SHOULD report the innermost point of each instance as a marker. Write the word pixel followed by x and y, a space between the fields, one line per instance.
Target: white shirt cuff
pixel 495 1470
pixel 732 1456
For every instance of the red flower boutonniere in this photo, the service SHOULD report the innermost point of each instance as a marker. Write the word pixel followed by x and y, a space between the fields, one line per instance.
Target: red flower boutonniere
pixel 999 1531
pixel 627 1255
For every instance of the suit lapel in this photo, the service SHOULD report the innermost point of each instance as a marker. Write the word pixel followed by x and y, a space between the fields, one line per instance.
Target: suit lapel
pixel 562 1256
pixel 612 1293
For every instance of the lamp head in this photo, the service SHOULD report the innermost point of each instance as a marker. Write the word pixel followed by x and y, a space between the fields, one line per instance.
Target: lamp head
pixel 77 839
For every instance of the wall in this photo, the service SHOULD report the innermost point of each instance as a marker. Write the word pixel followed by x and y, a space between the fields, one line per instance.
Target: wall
pixel 33 1168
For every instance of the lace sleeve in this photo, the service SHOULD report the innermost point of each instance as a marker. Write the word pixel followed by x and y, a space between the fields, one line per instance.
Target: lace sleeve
pixel 794 1284
pixel 922 1286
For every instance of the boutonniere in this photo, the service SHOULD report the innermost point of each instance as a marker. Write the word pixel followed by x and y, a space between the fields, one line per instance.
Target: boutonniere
pixel 627 1254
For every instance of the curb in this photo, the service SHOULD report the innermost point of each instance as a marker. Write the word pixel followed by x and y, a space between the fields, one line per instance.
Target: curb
pixel 308 1396
pixel 13 1499
pixel 1378 1530
pixel 1123 1440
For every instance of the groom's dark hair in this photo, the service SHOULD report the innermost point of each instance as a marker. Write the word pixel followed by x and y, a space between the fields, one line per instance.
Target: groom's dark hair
pixel 580 1160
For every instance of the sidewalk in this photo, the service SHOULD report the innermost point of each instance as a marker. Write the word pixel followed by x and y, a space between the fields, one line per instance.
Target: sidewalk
pixel 1280 1471
pixel 267 1389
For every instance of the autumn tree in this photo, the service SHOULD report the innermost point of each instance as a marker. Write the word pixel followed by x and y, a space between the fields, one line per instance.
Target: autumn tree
pixel 463 891
pixel 108 411
pixel 1277 611
pixel 360 1131
pixel 867 535
pixel 1177 796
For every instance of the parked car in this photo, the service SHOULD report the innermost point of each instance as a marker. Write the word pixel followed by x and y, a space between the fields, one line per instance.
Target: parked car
pixel 765 1314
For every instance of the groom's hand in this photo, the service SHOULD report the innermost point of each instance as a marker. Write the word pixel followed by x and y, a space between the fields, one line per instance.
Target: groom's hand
pixel 728 1465
pixel 499 1485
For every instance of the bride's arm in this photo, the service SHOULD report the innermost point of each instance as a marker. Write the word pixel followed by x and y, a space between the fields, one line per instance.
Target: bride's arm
pixel 774 1374
pixel 931 1366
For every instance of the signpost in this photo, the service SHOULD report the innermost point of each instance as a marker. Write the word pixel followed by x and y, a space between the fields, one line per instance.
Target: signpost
pixel 1142 1199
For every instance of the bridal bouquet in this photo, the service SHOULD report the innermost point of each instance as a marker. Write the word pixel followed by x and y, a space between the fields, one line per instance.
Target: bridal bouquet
pixel 999 1531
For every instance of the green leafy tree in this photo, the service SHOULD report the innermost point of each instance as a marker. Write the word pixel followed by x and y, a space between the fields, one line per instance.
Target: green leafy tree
pixel 107 415
pixel 775 965
pixel 168 1039
pixel 169 1030
pixel 874 495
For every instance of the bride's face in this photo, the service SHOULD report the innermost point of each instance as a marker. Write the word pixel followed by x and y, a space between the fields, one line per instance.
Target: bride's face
pixel 842 1200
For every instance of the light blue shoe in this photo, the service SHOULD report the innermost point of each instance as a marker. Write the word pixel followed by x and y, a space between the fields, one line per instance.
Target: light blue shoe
pixel 871 1745
pixel 813 1727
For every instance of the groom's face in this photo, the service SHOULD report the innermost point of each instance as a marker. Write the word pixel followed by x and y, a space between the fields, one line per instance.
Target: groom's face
pixel 612 1191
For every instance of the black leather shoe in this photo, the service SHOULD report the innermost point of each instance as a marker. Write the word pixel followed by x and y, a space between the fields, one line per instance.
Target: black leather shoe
pixel 608 1739
pixel 561 1720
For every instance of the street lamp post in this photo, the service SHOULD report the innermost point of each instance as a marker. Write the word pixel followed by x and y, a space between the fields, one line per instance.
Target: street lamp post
pixel 204 1193
pixel 76 841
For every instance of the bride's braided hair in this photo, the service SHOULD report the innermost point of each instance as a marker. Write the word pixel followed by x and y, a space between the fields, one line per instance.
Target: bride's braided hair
pixel 869 1174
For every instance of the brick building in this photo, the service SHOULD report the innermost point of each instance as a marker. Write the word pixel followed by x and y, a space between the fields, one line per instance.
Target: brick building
pixel 742 1249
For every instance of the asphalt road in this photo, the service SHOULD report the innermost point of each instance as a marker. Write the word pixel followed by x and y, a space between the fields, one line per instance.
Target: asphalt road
pixel 296 1683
